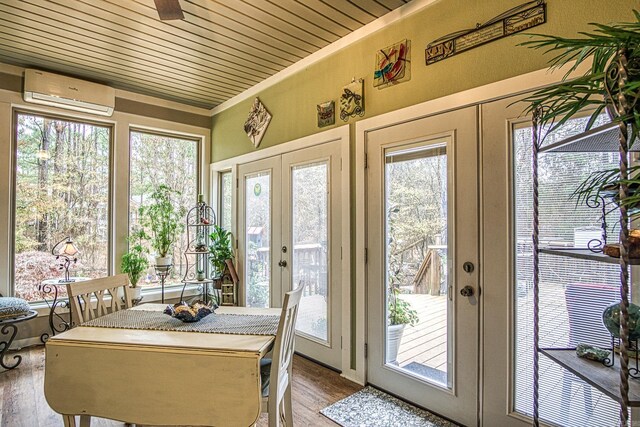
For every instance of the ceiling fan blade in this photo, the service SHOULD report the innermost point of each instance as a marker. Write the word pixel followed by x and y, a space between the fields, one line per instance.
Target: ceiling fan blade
pixel 169 9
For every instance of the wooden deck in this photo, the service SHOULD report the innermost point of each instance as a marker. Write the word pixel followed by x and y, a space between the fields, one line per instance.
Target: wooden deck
pixel 426 342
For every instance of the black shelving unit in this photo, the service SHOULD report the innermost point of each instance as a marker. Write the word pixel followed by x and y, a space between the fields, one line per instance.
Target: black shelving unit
pixel 200 219
pixel 612 381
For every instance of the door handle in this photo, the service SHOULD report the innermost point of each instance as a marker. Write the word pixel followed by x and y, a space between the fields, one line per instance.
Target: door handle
pixel 282 263
pixel 467 291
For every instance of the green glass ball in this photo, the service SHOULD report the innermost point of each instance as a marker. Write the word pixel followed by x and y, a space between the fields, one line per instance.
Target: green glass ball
pixel 611 320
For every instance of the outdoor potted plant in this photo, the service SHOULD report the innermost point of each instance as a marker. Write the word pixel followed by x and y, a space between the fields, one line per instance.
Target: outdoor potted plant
pixel 163 219
pixel 400 314
pixel 135 261
pixel 219 250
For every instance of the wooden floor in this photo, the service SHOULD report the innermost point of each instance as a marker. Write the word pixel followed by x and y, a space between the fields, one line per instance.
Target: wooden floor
pixel 22 401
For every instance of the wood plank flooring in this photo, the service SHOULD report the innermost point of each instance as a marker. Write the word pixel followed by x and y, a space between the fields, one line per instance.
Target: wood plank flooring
pixel 22 401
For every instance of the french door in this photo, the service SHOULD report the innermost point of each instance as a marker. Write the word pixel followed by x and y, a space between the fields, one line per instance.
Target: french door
pixel 422 228
pixel 290 235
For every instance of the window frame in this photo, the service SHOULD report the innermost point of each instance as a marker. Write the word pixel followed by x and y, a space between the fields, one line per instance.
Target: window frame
pixel 199 141
pixel 220 195
pixel 16 112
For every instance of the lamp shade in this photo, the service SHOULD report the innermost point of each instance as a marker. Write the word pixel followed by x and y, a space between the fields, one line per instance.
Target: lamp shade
pixel 68 249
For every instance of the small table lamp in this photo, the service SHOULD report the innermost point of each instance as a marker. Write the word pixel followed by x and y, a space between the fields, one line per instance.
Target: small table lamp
pixel 65 255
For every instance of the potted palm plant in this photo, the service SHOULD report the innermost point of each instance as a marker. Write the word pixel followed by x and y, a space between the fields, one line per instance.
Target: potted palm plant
pixel 611 84
pixel 163 218
pixel 135 261
pixel 219 250
pixel 399 315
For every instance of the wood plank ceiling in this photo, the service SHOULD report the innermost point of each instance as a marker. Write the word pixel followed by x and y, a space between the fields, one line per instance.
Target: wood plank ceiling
pixel 219 50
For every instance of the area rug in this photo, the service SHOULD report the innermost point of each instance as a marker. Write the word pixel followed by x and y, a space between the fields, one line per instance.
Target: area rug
pixel 371 407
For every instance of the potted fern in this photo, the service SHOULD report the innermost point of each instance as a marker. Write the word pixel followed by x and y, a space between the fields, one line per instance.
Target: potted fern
pixel 163 218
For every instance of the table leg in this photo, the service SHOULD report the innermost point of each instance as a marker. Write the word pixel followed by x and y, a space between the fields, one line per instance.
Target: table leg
pixel 4 346
pixel 85 420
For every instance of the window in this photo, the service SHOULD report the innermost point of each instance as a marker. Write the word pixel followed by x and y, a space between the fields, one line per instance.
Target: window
pixel 573 293
pixel 62 186
pixel 162 160
pixel 226 187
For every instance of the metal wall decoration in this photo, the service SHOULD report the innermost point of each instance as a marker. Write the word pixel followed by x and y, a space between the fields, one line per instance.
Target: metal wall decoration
pixel 513 21
pixel 257 122
pixel 326 113
pixel 352 100
pixel 392 65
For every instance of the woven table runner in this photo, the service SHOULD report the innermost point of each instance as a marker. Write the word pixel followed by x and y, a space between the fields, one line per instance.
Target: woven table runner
pixel 241 324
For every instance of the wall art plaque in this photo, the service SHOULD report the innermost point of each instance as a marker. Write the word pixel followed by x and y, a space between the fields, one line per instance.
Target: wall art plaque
pixel 392 65
pixel 513 21
pixel 352 100
pixel 326 113
pixel 257 122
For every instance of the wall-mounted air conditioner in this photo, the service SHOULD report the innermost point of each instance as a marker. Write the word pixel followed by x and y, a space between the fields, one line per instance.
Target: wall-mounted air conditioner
pixel 45 88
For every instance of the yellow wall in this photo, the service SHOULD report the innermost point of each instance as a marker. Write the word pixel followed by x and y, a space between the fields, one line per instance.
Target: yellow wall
pixel 293 101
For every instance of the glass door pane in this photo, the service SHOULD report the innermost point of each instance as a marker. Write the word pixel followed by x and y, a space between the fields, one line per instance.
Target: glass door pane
pixel 257 239
pixel 310 252
pixel 417 282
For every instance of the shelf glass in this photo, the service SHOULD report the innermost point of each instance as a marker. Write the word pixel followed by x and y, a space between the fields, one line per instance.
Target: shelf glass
pixel 585 254
pixel 600 139
pixel 606 379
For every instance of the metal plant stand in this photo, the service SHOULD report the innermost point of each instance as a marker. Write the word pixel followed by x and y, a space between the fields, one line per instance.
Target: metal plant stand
pixel 162 271
pixel 51 286
pixel 10 329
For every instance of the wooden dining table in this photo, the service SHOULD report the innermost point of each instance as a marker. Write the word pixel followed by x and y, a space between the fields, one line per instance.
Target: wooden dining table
pixel 157 377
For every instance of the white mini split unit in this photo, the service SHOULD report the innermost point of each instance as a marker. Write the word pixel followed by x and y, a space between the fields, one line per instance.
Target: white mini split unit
pixel 45 88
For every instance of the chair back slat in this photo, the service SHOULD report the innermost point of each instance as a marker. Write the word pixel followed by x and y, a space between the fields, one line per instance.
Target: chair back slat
pixel 95 298
pixel 283 348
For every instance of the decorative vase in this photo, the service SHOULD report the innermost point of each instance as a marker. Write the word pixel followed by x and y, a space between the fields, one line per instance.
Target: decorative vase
pixel 611 320
pixel 136 292
pixel 200 275
pixel 394 337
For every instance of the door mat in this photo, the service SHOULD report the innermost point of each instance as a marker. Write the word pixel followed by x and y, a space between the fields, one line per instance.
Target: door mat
pixel 427 372
pixel 371 407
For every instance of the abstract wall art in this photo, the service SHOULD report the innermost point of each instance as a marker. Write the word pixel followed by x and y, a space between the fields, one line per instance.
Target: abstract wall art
pixel 392 65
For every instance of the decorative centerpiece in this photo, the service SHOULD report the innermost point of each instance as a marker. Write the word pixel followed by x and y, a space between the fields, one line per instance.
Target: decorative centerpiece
pixel 189 312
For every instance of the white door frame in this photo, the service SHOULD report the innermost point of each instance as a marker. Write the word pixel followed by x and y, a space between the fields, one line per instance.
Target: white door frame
pixel 476 96
pixel 337 134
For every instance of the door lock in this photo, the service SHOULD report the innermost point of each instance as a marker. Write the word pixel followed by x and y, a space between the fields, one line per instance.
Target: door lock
pixel 284 249
pixel 468 267
pixel 282 263
pixel 467 291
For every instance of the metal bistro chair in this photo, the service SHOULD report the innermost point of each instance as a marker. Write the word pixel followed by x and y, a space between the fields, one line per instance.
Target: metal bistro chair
pixel 276 372
pixel 82 293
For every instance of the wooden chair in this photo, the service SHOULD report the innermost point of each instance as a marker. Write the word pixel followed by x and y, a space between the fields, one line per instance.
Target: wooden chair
pixel 276 372
pixel 82 293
